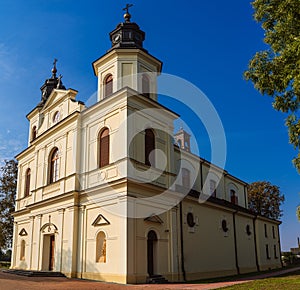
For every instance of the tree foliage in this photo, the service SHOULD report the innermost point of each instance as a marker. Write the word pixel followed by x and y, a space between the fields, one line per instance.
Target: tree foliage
pixel 276 71
pixel 265 199
pixel 8 187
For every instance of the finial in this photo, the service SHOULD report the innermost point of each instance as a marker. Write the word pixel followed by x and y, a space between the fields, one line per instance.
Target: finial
pixel 59 83
pixel 54 70
pixel 127 15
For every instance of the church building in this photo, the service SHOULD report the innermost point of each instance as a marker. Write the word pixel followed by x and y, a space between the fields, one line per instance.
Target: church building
pixel 95 200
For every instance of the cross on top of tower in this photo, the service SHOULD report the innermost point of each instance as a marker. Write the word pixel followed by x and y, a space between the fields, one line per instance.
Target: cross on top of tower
pixel 127 7
pixel 127 15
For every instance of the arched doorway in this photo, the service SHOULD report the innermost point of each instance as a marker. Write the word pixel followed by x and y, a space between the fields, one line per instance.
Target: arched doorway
pixel 151 251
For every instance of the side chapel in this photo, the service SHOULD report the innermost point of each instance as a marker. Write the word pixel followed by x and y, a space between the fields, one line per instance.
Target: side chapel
pixel 81 208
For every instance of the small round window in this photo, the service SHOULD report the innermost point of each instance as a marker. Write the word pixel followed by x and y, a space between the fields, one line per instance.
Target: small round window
pixel 248 230
pixel 56 117
pixel 190 220
pixel 224 226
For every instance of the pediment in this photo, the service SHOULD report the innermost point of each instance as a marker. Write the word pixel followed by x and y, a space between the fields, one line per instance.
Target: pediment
pixel 154 219
pixel 100 221
pixel 23 233
pixel 58 95
pixel 55 96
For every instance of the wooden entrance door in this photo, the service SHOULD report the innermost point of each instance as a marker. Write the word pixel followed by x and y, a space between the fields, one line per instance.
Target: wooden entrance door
pixel 151 241
pixel 51 255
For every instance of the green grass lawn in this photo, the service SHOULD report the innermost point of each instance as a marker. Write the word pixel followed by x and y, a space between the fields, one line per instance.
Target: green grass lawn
pixel 290 281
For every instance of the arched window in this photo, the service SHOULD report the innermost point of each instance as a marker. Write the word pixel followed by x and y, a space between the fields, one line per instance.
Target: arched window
pixel 104 148
pixel 233 197
pixel 146 85
pixel 212 188
pixel 33 133
pixel 101 248
pixel 27 182
pixel 54 166
pixel 108 85
pixel 149 147
pixel 22 250
pixel 186 179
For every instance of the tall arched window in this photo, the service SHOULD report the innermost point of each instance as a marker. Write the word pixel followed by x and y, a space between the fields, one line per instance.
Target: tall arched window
pixel 54 166
pixel 233 197
pixel 108 85
pixel 22 250
pixel 149 147
pixel 104 148
pixel 101 248
pixel 27 182
pixel 186 179
pixel 146 85
pixel 33 133
pixel 212 188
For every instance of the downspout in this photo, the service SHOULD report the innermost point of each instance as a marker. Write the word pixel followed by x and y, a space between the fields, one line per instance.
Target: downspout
pixel 255 244
pixel 181 242
pixel 235 245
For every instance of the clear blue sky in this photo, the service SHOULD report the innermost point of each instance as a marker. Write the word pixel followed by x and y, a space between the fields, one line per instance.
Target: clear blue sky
pixel 206 42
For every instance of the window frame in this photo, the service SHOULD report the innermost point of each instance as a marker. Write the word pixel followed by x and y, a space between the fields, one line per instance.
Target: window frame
pixel 266 230
pixel 54 161
pixel 104 147
pixel 213 192
pixel 33 133
pixel 149 147
pixel 146 85
pixel 22 250
pixel 233 197
pixel 27 182
pixel 186 178
pixel 101 241
pixel 267 252
pixel 108 85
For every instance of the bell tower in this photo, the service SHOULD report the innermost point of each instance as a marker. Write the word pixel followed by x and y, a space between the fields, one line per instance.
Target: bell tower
pixel 127 63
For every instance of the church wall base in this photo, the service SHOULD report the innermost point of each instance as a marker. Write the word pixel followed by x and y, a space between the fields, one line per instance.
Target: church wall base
pixel 270 267
pixel 105 277
pixel 248 270
pixel 212 274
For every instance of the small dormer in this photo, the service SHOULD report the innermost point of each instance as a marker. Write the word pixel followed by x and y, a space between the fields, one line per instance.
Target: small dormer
pixel 182 139
pixel 127 63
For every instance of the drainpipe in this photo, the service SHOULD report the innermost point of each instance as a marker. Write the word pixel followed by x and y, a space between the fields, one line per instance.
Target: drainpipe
pixel 255 244
pixel 181 242
pixel 235 244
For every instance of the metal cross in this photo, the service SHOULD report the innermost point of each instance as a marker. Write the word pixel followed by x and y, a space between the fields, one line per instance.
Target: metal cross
pixel 127 8
pixel 54 62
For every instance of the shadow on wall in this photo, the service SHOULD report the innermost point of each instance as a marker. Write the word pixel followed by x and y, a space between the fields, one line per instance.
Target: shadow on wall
pixel 66 266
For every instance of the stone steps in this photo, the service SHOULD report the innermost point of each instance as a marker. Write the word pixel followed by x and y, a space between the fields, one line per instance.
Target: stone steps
pixel 31 273
pixel 157 279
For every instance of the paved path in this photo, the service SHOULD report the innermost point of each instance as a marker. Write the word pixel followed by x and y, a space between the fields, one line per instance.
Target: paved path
pixel 14 282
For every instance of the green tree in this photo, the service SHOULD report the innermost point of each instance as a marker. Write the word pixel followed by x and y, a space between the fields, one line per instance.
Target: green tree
pixel 8 187
pixel 276 71
pixel 265 199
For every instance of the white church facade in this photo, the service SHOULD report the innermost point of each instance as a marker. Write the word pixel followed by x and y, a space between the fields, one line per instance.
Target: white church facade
pixel 95 200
